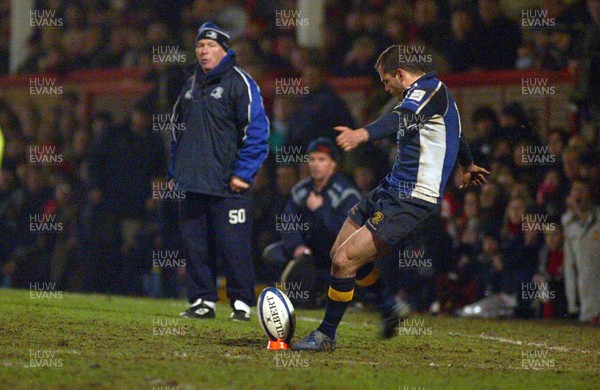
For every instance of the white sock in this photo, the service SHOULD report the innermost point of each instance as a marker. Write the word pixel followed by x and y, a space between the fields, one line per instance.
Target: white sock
pixel 210 304
pixel 239 305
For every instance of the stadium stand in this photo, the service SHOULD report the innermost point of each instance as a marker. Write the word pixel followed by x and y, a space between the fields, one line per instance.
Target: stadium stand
pixel 94 94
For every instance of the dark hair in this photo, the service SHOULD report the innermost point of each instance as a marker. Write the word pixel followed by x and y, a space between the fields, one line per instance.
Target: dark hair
pixel 493 232
pixel 590 158
pixel 411 58
pixel 485 113
pixel 104 116
pixel 515 110
pixel 316 61
pixel 144 107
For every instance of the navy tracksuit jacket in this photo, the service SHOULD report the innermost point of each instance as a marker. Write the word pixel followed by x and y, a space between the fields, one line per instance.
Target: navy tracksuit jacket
pixel 221 130
pixel 323 224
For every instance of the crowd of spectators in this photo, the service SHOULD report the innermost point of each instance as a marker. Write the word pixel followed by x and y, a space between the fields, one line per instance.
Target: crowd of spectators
pixel 102 181
pixel 544 34
pixel 99 183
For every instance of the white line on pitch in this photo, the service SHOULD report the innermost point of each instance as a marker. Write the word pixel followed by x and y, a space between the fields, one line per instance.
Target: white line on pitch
pixel 518 342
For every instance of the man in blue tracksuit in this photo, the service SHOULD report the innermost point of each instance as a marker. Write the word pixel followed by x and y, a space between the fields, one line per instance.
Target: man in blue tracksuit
pixel 219 141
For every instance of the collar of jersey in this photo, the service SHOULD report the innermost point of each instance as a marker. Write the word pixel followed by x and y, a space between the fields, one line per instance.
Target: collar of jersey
pixel 426 76
pixel 226 63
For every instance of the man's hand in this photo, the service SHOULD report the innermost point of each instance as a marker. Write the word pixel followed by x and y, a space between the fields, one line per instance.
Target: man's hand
pixel 473 176
pixel 314 201
pixel 237 184
pixel 302 250
pixel 349 139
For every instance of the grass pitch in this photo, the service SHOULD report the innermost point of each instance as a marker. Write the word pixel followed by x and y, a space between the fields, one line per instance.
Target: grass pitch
pixel 75 341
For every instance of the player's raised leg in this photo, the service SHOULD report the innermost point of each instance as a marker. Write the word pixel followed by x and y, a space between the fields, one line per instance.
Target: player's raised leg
pixel 360 248
pixel 348 229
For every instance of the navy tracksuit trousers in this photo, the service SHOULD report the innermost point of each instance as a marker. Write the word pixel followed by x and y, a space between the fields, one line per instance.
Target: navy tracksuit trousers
pixel 214 226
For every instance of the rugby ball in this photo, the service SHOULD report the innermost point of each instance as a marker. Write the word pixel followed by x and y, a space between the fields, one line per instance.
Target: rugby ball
pixel 276 315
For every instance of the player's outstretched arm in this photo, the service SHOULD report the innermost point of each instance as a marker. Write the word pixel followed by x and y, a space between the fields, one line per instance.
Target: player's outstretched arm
pixel 473 175
pixel 349 139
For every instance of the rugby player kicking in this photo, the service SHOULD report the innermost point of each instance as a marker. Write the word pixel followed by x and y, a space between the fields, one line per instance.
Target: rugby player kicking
pixel 429 139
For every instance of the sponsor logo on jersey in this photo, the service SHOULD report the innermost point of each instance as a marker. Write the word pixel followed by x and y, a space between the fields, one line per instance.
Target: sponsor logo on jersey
pixel 416 95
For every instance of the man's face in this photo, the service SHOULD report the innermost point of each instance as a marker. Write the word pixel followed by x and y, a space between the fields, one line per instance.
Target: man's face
pixel 393 84
pixel 516 209
pixel 209 54
pixel 490 245
pixel 483 127
pixel 507 120
pixel 321 165
pixel 581 196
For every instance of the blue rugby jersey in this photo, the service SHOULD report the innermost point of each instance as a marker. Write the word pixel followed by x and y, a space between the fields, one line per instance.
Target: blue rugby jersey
pixel 428 135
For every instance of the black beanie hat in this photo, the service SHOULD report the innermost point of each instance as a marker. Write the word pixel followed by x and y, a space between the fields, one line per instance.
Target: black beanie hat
pixel 210 31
